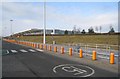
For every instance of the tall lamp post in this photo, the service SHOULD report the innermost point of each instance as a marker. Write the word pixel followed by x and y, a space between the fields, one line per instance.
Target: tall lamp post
pixel 44 40
pixel 11 27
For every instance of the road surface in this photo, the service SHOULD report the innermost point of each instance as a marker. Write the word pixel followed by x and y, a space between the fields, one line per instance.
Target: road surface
pixel 23 61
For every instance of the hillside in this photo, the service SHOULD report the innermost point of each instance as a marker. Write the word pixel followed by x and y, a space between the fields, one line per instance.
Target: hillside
pixel 63 39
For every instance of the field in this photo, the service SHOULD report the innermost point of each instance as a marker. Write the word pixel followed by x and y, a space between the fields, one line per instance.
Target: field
pixel 70 39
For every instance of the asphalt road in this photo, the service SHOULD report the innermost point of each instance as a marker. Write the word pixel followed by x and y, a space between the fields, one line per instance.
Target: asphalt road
pixel 22 61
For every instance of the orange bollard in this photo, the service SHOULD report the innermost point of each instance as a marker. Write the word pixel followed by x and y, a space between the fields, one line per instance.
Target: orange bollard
pixel 45 47
pixel 111 58
pixel 50 48
pixel 55 49
pixel 94 55
pixel 21 42
pixel 81 53
pixel 34 45
pixel 28 44
pixel 62 50
pixel 70 51
pixel 41 46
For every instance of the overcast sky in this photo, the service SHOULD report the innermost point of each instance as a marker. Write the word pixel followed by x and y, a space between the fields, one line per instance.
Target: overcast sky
pixel 60 15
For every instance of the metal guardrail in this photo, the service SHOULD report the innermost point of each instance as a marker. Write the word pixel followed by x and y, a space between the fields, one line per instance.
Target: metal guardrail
pixel 103 51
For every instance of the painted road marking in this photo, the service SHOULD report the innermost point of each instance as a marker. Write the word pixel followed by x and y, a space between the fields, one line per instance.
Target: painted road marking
pixel 8 52
pixel 32 50
pixel 22 50
pixel 74 70
pixel 39 50
pixel 14 51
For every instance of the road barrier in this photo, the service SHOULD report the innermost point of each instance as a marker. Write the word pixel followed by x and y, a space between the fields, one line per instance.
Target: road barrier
pixel 70 51
pixel 81 53
pixel 62 50
pixel 55 49
pixel 94 55
pixel 111 58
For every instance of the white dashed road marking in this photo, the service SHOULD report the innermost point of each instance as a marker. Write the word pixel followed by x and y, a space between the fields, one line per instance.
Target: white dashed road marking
pixel 22 50
pixel 14 51
pixel 32 50
pixel 8 52
pixel 39 50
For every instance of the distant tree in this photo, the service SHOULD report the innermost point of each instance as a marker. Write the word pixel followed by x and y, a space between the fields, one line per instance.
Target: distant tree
pixel 100 28
pixel 111 30
pixel 91 30
pixel 96 28
pixel 78 30
pixel 66 32
pixel 72 32
pixel 83 31
pixel 74 29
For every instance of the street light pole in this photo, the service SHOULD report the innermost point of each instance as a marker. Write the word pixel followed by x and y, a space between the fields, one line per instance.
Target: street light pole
pixel 44 22
pixel 11 27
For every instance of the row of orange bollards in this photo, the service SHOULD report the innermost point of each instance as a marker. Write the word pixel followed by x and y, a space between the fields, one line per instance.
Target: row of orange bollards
pixel 41 46
pixel 94 54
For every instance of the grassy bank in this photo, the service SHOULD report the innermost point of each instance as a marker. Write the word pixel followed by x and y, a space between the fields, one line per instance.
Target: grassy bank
pixel 96 39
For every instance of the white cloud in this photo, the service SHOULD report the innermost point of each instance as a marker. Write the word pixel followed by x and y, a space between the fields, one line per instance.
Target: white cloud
pixel 25 16
pixel 81 21
pixel 28 15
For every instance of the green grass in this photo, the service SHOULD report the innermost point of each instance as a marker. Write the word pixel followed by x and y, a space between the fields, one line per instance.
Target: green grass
pixel 67 39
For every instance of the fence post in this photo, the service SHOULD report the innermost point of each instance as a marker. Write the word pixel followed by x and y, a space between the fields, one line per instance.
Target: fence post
pixel 111 58
pixel 81 53
pixel 62 50
pixel 70 51
pixel 94 55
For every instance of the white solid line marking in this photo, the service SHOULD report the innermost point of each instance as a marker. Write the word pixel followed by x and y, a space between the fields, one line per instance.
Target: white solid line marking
pixel 32 50
pixel 14 51
pixel 8 52
pixel 39 50
pixel 54 69
pixel 22 50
